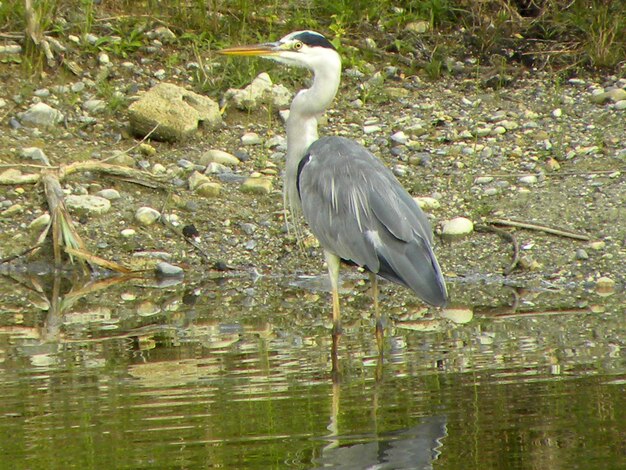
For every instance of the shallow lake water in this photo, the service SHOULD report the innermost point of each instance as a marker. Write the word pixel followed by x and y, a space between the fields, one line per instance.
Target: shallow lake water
pixel 233 371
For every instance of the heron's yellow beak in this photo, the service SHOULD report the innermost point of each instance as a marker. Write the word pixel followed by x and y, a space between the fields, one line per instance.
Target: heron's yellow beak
pixel 267 49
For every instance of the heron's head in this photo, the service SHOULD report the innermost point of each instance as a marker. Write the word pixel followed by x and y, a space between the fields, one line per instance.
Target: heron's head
pixel 302 48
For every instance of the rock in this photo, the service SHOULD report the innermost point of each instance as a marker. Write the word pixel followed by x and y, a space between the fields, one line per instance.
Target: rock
pixel 581 254
pixel 41 115
pixel 457 226
pixel 458 314
pixel 218 156
pixel 371 129
pixel 147 149
pixel 77 87
pixel 418 27
pixel 281 96
pixel 250 138
pixel 529 179
pixel 147 215
pixel 483 180
pixel 103 58
pixel 400 138
pixel 88 204
pixel 94 106
pixel 176 111
pixel 257 185
pixel 252 96
pixel 163 33
pixel 167 269
pixel 210 189
pixel 128 232
pixel 12 210
pixel 614 95
pixel 427 203
pixel 557 113
pixel 10 49
pixel 197 179
pixel 110 194
pixel 36 154
pixel 620 105
pixel 40 222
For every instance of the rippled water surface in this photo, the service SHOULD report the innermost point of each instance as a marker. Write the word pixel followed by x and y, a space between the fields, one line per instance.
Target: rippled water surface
pixel 235 372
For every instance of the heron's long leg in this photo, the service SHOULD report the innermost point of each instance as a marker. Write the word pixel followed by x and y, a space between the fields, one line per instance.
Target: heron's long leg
pixel 333 271
pixel 379 323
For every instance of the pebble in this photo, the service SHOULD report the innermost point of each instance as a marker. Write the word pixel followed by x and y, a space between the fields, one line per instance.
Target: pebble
pixel 166 269
pixel 36 154
pixel 94 106
pixel 40 222
pixel 620 105
pixel 250 138
pixel 103 59
pixel 209 189
pixel 457 226
pixel 147 149
pixel 400 138
pixel 557 113
pixel 42 93
pixel 427 203
pixel 581 254
pixel 218 156
pixel 483 180
pixel 147 215
pixel 530 179
pixel 77 87
pixel 128 232
pixel 458 315
pixel 40 114
pixel 257 185
pixel 88 204
pixel 110 194
pixel 371 129
pixel 12 210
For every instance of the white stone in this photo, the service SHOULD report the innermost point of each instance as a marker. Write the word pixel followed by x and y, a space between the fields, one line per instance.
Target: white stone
pixel 458 226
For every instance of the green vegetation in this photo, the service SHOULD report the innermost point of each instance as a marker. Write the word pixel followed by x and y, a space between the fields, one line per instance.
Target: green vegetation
pixel 420 34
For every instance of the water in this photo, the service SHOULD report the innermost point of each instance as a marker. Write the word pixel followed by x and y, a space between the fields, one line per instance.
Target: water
pixel 236 373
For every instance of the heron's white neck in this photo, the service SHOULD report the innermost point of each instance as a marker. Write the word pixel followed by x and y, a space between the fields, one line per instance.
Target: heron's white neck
pixel 307 107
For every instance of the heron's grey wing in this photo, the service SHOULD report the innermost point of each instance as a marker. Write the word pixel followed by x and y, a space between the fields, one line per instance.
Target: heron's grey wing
pixel 359 211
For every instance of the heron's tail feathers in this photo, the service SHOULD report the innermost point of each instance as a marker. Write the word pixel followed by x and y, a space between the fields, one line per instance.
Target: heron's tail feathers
pixel 415 267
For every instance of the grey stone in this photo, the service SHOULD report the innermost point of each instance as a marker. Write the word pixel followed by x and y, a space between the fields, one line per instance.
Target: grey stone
pixel 166 269
pixel 252 96
pixel 42 115
pixel 94 106
pixel 36 154
pixel 250 138
pixel 174 111
pixel 88 204
pixel 110 194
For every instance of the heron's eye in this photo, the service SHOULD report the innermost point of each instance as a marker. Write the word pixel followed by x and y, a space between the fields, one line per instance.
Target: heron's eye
pixel 297 46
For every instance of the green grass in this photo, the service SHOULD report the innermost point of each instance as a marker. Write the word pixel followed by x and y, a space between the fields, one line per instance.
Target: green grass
pixel 562 33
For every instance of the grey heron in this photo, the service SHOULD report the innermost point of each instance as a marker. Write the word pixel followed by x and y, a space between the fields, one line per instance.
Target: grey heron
pixel 351 202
